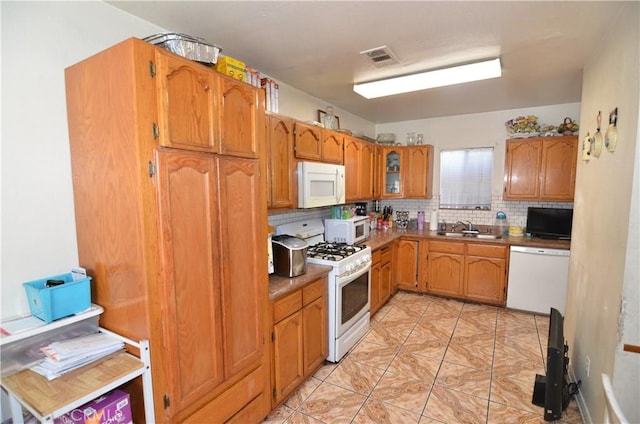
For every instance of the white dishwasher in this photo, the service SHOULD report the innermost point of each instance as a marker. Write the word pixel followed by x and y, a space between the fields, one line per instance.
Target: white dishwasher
pixel 537 279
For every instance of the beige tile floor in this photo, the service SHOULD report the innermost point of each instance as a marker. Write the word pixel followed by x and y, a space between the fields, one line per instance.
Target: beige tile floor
pixel 431 360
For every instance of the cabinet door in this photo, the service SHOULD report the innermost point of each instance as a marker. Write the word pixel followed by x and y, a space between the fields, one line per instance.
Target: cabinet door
pixel 308 144
pixel 315 339
pixel 522 169
pixel 244 271
pixel 242 118
pixel 352 161
pixel 280 161
pixel 406 264
pixel 385 282
pixel 558 172
pixel 188 109
pixel 445 274
pixel 287 358
pixel 332 147
pixel 366 170
pixel 484 279
pixel 423 265
pixel 378 172
pixel 419 171
pixel 392 164
pixel 376 282
pixel 191 282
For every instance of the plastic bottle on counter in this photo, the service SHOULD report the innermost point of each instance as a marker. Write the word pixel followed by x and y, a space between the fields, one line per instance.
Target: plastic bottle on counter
pixel 420 220
pixel 443 225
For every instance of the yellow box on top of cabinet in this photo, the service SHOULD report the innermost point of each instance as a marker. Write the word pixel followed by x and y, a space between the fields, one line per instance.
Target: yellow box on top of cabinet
pixel 232 67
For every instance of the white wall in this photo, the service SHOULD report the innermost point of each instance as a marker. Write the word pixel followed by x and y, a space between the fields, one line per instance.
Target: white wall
pixel 39 40
pixel 603 271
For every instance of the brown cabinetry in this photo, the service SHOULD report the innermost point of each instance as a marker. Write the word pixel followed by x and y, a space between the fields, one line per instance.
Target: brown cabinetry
pixel 358 162
pixel 485 273
pixel 446 268
pixel 164 259
pixel 419 171
pixel 381 267
pixel 406 264
pixel 315 143
pixel 405 172
pixel 202 110
pixel 541 168
pixel 473 271
pixel 281 192
pixel 300 338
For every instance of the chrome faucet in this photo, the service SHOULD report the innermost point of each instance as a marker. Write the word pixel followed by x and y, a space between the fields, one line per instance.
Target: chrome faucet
pixel 467 225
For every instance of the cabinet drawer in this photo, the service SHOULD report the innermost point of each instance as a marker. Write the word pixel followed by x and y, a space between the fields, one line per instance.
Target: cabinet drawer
pixel 312 291
pixel 385 255
pixel 446 247
pixel 375 256
pixel 287 305
pixel 487 250
pixel 232 400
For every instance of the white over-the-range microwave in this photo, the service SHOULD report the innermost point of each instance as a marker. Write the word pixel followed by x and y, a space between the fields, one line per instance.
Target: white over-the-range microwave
pixel 320 184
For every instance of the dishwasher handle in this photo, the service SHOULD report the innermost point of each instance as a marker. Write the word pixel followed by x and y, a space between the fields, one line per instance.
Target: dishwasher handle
pixel 540 251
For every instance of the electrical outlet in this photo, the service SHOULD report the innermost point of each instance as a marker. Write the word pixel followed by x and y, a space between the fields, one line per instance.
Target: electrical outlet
pixel 587 366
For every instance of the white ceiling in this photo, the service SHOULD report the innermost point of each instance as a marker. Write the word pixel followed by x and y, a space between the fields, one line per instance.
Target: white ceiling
pixel 314 46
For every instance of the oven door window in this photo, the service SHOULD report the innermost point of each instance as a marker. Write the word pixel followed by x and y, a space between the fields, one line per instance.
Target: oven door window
pixel 355 297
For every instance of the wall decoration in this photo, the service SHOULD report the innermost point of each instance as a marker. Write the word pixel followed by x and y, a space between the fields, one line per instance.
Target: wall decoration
pixel 328 119
pixel 611 136
pixel 597 142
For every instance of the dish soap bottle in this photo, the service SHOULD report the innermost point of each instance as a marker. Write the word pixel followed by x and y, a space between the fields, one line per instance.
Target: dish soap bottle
pixel 501 226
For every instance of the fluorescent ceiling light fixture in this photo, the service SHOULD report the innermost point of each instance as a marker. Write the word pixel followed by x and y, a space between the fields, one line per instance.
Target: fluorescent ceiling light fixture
pixel 430 79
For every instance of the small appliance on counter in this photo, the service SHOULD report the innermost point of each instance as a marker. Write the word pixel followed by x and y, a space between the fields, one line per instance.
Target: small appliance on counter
pixel 361 209
pixel 289 255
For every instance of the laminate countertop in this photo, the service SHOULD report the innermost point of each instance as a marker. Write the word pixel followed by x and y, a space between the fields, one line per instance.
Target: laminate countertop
pixel 379 238
pixel 279 286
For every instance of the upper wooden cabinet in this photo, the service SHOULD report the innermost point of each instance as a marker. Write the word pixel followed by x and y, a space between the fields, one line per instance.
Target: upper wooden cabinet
pixel 418 177
pixel 542 168
pixel 316 143
pixel 202 110
pixel 188 104
pixel 404 172
pixel 241 118
pixel 358 162
pixel 392 164
pixel 281 182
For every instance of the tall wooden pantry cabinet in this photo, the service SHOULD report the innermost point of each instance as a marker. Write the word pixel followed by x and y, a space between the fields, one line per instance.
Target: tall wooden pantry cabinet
pixel 171 223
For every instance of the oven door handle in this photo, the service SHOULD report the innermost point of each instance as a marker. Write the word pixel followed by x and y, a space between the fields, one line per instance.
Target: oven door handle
pixel 350 277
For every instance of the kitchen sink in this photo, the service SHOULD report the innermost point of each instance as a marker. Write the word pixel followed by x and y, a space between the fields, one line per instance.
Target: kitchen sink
pixel 486 236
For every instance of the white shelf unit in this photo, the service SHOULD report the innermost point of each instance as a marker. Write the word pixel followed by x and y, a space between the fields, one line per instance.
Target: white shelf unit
pixel 68 392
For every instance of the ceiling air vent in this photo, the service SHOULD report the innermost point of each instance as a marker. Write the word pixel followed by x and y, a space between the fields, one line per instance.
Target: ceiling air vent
pixel 380 56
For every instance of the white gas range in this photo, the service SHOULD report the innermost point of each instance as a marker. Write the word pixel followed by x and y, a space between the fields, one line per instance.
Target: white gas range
pixel 349 284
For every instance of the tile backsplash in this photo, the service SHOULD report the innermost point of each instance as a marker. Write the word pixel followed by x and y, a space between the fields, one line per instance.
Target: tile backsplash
pixel 516 211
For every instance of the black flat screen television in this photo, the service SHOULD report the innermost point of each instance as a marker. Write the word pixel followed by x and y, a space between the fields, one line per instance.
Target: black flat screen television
pixel 553 391
pixel 553 223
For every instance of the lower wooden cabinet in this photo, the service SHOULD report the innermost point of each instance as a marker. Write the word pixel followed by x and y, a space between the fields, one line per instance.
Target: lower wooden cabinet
pixel 300 337
pixel 463 270
pixel 446 268
pixel 381 284
pixel 406 264
pixel 485 273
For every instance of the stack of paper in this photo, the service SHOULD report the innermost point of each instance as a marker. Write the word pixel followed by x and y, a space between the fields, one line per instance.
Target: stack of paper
pixel 71 354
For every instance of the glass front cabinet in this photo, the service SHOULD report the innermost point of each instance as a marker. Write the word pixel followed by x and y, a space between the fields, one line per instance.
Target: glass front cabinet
pixel 393 163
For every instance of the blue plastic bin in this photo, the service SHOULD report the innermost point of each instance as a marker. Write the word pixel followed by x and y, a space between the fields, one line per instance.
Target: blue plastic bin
pixel 52 303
